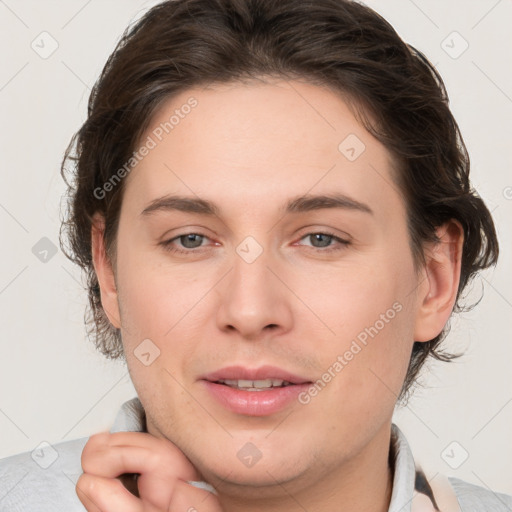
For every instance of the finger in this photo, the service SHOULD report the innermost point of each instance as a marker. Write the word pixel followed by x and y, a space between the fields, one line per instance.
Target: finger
pixel 99 494
pixel 159 463
pixel 156 481
pixel 187 498
pixel 103 455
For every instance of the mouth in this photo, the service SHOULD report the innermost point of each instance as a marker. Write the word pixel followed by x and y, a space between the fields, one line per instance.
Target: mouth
pixel 255 392
pixel 254 385
pixel 249 400
pixel 263 377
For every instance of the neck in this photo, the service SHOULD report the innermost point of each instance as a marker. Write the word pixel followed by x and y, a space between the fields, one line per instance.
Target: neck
pixel 362 484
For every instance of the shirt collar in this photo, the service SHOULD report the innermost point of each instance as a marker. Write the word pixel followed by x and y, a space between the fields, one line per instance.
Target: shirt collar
pixel 130 418
pixel 404 472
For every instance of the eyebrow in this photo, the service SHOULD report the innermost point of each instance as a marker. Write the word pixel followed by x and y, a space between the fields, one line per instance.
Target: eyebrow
pixel 300 204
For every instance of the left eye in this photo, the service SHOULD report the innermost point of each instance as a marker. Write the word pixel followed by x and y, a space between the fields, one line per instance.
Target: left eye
pixel 326 238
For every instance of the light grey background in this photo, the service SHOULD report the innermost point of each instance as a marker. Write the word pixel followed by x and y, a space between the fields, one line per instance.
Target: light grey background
pixel 55 387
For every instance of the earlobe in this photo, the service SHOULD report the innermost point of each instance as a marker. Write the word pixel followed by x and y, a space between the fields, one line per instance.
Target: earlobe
pixel 439 291
pixel 104 272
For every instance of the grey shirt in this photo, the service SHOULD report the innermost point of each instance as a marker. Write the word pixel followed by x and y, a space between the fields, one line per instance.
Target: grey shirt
pixel 44 480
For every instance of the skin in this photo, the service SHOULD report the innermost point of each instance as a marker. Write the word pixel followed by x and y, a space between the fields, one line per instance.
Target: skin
pixel 250 148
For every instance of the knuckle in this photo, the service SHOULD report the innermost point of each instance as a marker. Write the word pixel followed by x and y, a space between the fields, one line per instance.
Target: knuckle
pixel 161 460
pixel 91 450
pixel 87 460
pixel 155 459
pixel 167 453
pixel 84 487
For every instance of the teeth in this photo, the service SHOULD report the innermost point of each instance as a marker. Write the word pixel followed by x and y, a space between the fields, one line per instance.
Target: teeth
pixel 255 385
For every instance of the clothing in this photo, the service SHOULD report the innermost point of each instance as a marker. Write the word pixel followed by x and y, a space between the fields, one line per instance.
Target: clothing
pixel 25 486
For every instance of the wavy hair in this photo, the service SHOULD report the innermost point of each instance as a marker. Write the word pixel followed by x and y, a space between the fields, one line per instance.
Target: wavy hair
pixel 399 96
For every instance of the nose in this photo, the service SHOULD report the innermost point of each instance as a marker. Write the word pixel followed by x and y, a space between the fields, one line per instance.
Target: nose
pixel 254 300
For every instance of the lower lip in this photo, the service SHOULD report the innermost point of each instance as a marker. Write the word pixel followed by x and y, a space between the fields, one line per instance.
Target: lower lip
pixel 255 403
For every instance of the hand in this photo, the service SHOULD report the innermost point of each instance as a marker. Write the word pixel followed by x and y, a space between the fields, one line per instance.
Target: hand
pixel 161 487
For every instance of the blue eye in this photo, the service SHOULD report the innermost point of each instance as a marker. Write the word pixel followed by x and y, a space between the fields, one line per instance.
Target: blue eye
pixel 327 237
pixel 189 242
pixel 186 239
pixel 191 238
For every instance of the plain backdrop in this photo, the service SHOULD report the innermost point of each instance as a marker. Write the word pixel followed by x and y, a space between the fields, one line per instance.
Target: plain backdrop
pixel 55 387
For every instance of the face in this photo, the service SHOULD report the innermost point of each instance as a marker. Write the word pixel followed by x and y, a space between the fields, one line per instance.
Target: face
pixel 328 293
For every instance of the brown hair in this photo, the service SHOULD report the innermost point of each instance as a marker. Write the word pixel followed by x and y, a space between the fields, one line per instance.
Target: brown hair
pixel 340 44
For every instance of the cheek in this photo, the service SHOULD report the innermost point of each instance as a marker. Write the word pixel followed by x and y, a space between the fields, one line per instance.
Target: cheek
pixel 157 299
pixel 160 317
pixel 371 312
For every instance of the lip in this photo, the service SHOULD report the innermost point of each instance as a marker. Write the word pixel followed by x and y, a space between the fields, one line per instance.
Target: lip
pixel 261 373
pixel 255 403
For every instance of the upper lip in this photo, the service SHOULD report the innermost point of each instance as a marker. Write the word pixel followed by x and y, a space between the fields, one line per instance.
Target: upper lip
pixel 261 373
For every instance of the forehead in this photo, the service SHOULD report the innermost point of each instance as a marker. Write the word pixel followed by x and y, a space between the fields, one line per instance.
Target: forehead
pixel 260 143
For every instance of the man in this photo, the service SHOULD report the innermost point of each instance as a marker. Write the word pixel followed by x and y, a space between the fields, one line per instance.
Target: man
pixel 273 208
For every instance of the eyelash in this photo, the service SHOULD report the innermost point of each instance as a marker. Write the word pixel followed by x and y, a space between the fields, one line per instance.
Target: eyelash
pixel 167 245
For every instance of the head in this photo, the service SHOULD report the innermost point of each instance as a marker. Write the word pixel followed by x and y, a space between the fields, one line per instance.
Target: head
pixel 254 107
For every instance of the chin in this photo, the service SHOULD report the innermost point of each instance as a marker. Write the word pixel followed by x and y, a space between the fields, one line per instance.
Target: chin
pixel 250 482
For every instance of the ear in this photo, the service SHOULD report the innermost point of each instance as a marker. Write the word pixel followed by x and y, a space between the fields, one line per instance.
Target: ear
pixel 439 289
pixel 104 272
